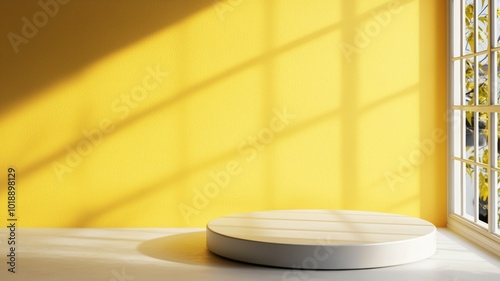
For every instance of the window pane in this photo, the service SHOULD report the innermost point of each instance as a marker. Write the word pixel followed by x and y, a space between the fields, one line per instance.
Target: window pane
pixel 483 190
pixel 456 95
pixel 482 147
pixel 498 208
pixel 469 189
pixel 469 136
pixel 482 25
pixel 483 90
pixel 495 77
pixel 495 146
pixel 468 17
pixel 457 187
pixel 497 23
pixel 497 214
pixel 469 82
pixel 455 118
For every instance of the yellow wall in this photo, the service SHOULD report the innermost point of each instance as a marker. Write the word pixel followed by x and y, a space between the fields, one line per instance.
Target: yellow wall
pixel 120 113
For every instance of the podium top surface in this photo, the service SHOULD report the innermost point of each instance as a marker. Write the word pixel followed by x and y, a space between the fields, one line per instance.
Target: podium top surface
pixel 321 227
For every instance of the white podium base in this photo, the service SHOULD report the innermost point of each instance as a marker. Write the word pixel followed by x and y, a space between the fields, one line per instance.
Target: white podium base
pixel 321 239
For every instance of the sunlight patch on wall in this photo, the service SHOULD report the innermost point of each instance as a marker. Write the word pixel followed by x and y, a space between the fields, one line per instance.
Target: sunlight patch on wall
pixel 256 106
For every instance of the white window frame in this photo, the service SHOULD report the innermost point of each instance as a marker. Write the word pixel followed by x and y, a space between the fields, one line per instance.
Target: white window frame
pixel 485 235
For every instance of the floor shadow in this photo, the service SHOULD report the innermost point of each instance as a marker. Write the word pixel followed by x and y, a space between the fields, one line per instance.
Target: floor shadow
pixel 187 248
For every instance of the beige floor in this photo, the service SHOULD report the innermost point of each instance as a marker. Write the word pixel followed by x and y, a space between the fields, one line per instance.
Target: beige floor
pixel 180 254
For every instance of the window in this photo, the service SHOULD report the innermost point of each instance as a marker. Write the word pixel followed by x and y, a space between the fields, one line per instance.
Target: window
pixel 474 113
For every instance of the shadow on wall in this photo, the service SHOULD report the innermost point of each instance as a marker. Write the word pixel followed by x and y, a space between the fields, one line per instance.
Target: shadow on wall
pixel 112 25
pixel 81 32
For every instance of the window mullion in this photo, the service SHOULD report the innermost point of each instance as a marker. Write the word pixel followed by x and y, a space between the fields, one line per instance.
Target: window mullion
pixel 475 113
pixel 476 159
pixel 493 124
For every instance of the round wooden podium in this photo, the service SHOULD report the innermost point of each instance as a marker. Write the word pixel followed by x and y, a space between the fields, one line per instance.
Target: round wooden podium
pixel 321 239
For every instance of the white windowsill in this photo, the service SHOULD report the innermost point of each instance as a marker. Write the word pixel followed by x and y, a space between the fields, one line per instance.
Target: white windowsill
pixel 481 252
pixel 475 235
